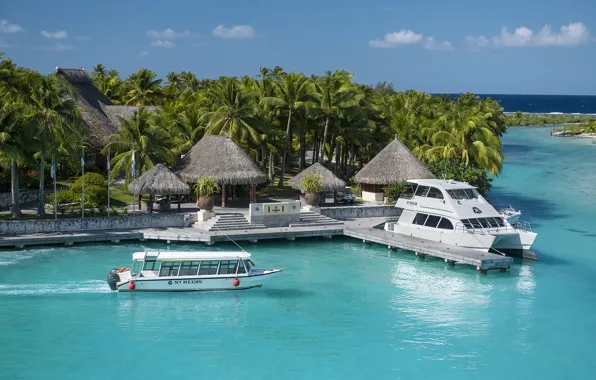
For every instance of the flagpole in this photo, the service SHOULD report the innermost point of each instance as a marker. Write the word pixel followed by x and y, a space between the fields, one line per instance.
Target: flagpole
pixel 83 184
pixel 109 167
pixel 54 175
pixel 133 178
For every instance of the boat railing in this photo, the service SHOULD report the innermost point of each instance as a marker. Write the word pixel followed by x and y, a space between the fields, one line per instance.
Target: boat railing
pixel 523 225
pixel 460 227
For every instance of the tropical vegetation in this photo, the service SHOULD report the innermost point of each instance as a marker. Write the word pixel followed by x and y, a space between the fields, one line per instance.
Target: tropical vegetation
pixel 275 116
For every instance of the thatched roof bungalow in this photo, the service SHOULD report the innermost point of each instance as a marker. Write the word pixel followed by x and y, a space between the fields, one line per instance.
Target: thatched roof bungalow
pixel 220 158
pixel 395 163
pixel 159 180
pixel 330 181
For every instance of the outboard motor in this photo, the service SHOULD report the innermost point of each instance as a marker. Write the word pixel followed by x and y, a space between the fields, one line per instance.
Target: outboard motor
pixel 113 278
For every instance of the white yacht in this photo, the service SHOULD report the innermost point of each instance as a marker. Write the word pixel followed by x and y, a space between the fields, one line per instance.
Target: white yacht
pixel 189 271
pixel 455 213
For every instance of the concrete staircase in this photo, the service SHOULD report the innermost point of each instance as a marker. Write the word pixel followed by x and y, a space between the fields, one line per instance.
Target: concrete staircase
pixel 312 219
pixel 231 222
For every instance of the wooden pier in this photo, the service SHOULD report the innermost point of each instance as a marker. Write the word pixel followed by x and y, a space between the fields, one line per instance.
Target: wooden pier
pixel 483 261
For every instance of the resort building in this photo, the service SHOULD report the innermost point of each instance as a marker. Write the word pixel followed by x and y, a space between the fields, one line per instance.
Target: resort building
pixel 395 163
pixel 220 158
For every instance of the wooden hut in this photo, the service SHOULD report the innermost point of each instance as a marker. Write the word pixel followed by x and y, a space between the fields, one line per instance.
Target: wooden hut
pixel 220 158
pixel 395 163
pixel 330 181
pixel 159 180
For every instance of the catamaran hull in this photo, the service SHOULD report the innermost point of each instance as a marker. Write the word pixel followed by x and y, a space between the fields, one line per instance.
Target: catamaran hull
pixel 196 284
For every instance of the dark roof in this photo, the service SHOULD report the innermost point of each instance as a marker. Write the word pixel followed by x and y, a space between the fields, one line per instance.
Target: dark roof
pixel 115 112
pixel 395 163
pixel 91 101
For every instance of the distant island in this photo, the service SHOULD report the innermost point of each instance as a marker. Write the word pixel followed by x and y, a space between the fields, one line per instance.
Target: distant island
pixel 520 119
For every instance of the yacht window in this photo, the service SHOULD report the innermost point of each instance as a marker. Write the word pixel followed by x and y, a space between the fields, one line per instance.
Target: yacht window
pixel 410 190
pixel 169 269
pixel 208 267
pixel 467 223
pixel 471 193
pixel 445 224
pixel 420 219
pixel 136 267
pixel 493 222
pixel 189 268
pixel 421 191
pixel 500 222
pixel 475 223
pixel 151 265
pixel 435 193
pixel 432 221
pixel 228 267
pixel 459 194
pixel 484 222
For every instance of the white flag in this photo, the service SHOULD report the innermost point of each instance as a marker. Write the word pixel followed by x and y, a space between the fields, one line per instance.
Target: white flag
pixel 133 163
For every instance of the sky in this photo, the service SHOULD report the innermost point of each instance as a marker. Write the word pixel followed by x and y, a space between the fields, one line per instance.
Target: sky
pixel 486 47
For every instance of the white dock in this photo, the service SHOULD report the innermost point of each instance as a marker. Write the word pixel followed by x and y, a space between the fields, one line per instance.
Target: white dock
pixel 483 261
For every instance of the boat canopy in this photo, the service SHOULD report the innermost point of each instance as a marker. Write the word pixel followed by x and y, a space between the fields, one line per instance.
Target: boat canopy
pixel 173 255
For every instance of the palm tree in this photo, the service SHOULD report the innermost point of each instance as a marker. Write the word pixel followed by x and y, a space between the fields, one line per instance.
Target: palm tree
pixel 148 141
pixel 293 90
pixel 233 111
pixel 335 93
pixel 145 89
pixel 57 119
pixel 183 119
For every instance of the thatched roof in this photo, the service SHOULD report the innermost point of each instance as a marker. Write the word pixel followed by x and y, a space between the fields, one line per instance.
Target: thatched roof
pixel 220 158
pixel 115 112
pixel 394 163
pixel 330 181
pixel 159 180
pixel 91 101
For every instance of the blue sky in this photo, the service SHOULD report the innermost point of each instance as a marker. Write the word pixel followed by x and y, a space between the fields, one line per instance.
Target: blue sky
pixel 549 47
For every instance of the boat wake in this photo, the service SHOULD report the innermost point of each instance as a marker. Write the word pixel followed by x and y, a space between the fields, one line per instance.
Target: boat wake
pixel 92 286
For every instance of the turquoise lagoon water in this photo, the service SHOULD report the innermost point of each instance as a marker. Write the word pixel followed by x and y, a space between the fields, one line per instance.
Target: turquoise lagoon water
pixel 341 310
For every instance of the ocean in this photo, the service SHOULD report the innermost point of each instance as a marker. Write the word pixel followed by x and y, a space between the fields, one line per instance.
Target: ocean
pixel 341 310
pixel 545 104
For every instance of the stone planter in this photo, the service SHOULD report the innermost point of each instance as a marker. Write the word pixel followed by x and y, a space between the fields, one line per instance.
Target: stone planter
pixel 205 203
pixel 311 199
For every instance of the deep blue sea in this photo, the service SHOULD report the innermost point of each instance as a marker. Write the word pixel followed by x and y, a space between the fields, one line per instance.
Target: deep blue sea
pixel 342 310
pixel 554 104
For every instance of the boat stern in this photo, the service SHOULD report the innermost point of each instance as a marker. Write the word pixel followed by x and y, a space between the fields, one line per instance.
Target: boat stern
pixel 117 276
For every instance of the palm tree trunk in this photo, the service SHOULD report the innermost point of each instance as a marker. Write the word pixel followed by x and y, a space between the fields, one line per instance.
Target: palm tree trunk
pixel 331 150
pixel 14 172
pixel 337 159
pixel 315 149
pixel 41 208
pixel 286 149
pixel 321 157
pixel 302 151
pixel 271 166
pixel 263 156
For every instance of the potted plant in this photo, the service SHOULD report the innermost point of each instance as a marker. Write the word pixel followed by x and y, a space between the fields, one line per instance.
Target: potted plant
pixel 205 188
pixel 312 186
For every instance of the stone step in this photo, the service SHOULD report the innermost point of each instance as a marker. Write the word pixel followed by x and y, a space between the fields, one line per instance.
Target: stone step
pixel 249 227
pixel 306 224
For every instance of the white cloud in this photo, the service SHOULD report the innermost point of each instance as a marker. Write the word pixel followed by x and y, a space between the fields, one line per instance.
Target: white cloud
pixel 163 43
pixel 167 34
pixel 574 34
pixel 6 27
pixel 57 34
pixel 56 47
pixel 393 39
pixel 236 31
pixel 143 53
pixel 431 44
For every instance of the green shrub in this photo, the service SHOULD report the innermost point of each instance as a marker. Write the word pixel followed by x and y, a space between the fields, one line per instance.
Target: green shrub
pixel 91 179
pixel 457 170
pixel 312 183
pixel 395 190
pixel 95 196
pixel 206 186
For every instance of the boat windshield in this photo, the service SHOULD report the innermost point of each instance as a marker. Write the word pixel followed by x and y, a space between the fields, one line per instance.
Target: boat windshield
pixel 136 267
pixel 249 264
pixel 463 193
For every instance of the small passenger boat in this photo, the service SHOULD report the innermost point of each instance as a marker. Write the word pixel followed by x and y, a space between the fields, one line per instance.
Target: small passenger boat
pixel 188 272
pixel 511 215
